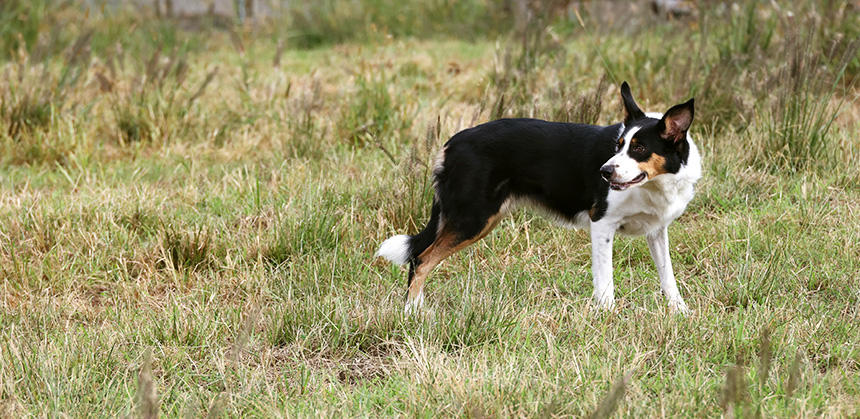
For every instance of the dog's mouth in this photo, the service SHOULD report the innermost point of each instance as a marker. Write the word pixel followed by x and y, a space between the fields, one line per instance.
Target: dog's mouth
pixel 620 186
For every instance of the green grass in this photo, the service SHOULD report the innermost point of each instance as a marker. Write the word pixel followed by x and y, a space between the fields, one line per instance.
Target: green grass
pixel 193 231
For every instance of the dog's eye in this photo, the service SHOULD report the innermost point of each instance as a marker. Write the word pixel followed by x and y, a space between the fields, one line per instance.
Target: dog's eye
pixel 638 148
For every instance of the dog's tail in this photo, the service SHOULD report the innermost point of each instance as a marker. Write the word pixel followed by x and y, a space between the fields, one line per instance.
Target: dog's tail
pixel 403 248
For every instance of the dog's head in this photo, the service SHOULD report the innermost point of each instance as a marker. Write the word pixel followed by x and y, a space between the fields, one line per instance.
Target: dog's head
pixel 649 145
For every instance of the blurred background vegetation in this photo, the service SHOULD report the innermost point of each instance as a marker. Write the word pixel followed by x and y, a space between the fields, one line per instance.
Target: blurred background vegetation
pixel 210 179
pixel 782 70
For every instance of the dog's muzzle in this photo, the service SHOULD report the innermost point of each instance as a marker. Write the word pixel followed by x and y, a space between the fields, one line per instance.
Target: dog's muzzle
pixel 607 171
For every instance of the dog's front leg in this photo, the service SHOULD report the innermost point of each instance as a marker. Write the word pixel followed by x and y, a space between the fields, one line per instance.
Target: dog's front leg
pixel 602 234
pixel 658 242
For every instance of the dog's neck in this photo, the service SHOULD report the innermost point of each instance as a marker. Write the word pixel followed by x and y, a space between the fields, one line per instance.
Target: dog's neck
pixel 686 177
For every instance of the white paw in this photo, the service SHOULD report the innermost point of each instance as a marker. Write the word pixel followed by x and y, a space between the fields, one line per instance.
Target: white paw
pixel 414 305
pixel 679 307
pixel 604 300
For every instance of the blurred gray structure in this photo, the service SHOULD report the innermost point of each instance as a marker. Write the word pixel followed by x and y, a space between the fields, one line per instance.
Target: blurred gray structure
pixel 675 8
pixel 241 9
pixel 250 10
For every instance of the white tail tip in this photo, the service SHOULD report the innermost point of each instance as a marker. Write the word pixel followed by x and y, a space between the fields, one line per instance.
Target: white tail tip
pixel 395 249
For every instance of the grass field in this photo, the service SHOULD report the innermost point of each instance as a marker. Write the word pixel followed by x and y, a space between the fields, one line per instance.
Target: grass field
pixel 189 210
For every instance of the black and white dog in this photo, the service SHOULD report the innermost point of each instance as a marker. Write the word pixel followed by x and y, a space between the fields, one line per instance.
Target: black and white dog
pixel 633 177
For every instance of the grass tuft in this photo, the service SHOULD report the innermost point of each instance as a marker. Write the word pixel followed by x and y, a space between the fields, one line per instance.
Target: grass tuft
pixel 25 114
pixel 372 114
pixel 186 251
pixel 797 125
pixel 311 234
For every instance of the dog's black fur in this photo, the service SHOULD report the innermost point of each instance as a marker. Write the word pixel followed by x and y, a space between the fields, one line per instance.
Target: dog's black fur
pixel 554 164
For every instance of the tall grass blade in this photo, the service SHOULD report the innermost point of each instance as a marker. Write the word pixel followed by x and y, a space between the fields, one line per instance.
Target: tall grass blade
pixel 610 402
pixel 146 392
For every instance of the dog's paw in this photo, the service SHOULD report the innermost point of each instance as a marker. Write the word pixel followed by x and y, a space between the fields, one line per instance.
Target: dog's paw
pixel 414 305
pixel 604 301
pixel 679 307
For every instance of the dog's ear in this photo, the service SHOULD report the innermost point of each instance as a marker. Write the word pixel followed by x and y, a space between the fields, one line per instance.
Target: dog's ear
pixel 676 121
pixel 631 109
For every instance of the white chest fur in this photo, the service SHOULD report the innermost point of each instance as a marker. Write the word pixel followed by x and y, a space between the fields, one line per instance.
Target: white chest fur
pixel 644 209
pixel 656 203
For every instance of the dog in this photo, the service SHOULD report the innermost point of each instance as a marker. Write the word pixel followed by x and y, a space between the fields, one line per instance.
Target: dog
pixel 633 178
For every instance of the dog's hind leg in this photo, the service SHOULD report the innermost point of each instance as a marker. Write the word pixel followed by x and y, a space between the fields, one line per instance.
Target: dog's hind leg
pixel 447 242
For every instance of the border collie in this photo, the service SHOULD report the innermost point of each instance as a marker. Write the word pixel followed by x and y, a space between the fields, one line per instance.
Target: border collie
pixel 633 178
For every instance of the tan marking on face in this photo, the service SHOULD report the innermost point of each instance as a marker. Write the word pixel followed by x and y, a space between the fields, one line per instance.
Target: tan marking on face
pixel 620 143
pixel 655 165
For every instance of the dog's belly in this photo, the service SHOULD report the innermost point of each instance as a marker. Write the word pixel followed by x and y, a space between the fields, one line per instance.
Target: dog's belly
pixel 579 221
pixel 639 224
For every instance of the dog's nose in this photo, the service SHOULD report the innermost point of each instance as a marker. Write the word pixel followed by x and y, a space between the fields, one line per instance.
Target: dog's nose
pixel 607 170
